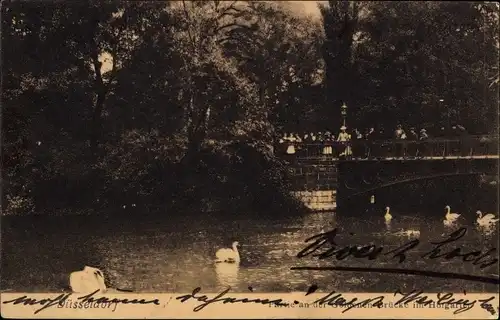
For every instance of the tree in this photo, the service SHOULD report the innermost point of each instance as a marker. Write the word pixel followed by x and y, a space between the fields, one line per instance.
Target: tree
pixel 340 21
pixel 108 98
pixel 424 64
pixel 56 90
pixel 271 53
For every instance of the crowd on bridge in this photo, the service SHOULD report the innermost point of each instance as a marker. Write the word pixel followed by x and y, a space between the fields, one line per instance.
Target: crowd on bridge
pixel 400 142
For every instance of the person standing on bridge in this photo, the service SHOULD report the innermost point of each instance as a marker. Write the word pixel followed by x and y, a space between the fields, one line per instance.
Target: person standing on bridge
pixel 282 142
pixel 442 136
pixel 465 149
pixel 320 140
pixel 344 138
pixel 312 136
pixel 422 145
pixel 291 147
pixel 454 143
pixel 399 132
pixel 327 149
pixel 284 138
pixel 400 136
pixel 442 133
pixel 413 138
pixel 382 147
pixel 298 143
pixel 320 137
pixel 369 137
pixel 298 139
pixel 357 146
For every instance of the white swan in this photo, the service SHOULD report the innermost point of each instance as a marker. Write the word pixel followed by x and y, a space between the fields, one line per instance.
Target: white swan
pixel 486 220
pixel 387 216
pixel 87 280
pixel 451 217
pixel 228 255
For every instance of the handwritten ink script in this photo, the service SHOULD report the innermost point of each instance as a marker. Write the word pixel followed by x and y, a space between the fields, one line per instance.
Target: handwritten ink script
pixel 219 298
pixel 324 246
pixel 372 252
pixel 335 299
pixel 416 297
pixel 446 299
pixel 331 299
pixel 63 300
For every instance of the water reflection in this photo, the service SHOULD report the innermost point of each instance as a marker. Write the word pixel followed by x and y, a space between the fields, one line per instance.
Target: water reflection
pixel 449 224
pixel 227 273
pixel 388 226
pixel 409 233
pixel 172 256
pixel 487 230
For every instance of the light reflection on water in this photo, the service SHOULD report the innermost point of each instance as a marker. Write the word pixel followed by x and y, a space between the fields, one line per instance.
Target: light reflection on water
pixel 177 256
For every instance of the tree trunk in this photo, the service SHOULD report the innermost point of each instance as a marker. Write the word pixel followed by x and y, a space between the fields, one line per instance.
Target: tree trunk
pixel 101 91
pixel 341 24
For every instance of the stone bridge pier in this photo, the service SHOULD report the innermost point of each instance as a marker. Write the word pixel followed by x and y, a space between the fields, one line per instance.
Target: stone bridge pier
pixel 314 182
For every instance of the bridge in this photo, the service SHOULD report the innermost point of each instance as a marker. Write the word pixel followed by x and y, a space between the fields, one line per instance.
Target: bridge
pixel 325 179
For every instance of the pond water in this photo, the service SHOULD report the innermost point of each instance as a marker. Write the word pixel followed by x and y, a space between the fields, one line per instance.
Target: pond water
pixel 176 254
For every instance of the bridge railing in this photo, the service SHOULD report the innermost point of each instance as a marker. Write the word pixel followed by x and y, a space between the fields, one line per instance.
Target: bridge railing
pixel 460 147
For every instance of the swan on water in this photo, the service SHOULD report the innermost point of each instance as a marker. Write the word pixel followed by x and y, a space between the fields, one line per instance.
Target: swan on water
pixel 486 220
pixel 228 255
pixel 387 216
pixel 87 280
pixel 451 217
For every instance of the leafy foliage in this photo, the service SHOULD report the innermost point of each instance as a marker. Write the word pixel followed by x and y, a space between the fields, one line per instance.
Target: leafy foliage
pixel 426 64
pixel 111 103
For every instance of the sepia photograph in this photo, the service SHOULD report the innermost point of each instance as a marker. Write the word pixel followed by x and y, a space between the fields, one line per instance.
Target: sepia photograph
pixel 237 147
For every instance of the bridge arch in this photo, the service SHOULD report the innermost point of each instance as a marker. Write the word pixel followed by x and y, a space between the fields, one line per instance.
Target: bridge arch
pixel 357 181
pixel 408 180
